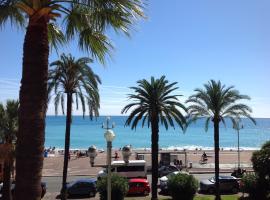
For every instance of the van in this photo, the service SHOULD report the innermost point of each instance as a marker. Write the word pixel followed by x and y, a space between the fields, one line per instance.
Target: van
pixel 132 169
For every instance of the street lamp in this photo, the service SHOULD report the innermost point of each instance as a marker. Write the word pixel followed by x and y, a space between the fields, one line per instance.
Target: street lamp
pixel 109 136
pixel 92 152
pixel 238 127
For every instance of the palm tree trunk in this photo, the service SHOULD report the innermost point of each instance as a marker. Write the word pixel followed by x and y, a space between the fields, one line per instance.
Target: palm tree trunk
pixel 154 138
pixel 6 181
pixel 67 144
pixel 33 100
pixel 216 144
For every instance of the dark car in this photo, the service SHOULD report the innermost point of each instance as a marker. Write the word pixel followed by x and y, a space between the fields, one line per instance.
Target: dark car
pixel 165 170
pixel 138 186
pixel 226 184
pixel 43 188
pixel 82 187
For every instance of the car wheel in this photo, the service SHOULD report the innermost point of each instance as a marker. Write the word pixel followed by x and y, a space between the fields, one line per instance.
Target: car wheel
pixel 92 194
pixel 211 190
pixel 145 193
pixel 235 190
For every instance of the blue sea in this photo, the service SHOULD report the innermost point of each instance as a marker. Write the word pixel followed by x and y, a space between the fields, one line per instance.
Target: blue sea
pixel 85 133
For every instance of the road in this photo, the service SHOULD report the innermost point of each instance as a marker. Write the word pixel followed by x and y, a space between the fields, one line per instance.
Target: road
pixel 54 184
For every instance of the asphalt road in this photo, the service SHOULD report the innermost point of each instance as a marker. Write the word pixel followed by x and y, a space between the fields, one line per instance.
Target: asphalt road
pixel 54 184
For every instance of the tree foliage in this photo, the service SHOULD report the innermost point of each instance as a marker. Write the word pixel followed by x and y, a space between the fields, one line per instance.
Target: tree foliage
pixel 85 20
pixel 9 120
pixel 119 187
pixel 182 186
pixel 71 76
pixel 216 101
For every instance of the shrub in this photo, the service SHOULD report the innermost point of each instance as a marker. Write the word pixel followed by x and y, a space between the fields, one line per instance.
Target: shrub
pixel 119 187
pixel 182 186
pixel 249 183
pixel 261 165
pixel 261 162
pixel 254 186
pixel 266 145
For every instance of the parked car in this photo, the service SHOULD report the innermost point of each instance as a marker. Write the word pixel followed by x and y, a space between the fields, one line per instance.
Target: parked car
pixel 226 184
pixel 82 187
pixel 163 181
pixel 138 186
pixel 43 188
pixel 165 170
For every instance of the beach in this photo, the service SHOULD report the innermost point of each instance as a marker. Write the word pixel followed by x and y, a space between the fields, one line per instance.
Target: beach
pixel 53 165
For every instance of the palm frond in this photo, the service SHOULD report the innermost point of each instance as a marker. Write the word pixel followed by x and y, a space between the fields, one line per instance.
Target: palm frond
pixel 75 77
pixel 9 12
pixel 56 37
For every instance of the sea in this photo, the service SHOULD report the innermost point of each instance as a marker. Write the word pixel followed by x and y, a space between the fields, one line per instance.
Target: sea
pixel 85 133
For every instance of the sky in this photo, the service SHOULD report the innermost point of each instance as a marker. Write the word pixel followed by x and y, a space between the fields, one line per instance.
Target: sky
pixel 188 41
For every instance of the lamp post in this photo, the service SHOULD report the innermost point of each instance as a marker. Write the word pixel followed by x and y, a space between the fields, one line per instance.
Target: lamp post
pixel 109 136
pixel 238 127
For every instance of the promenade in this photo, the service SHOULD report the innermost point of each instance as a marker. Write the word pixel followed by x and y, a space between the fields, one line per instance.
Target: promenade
pixel 53 166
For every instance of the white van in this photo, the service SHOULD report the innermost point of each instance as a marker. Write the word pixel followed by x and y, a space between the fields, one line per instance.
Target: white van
pixel 132 169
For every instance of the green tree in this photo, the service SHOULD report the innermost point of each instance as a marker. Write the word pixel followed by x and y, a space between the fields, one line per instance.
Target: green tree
pixel 8 132
pixel 74 79
pixel 119 187
pixel 155 103
pixel 266 145
pixel 216 102
pixel 84 20
pixel 261 165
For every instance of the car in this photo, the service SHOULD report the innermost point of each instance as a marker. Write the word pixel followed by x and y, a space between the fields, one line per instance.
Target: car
pixel 82 187
pixel 226 184
pixel 163 181
pixel 43 188
pixel 138 186
pixel 165 170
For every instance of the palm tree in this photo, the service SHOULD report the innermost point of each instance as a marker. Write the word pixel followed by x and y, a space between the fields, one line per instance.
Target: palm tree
pixel 86 20
pixel 73 78
pixel 8 130
pixel 155 103
pixel 216 102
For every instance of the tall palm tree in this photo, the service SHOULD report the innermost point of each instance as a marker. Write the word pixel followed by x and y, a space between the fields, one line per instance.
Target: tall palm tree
pixel 8 132
pixel 73 79
pixel 84 20
pixel 155 103
pixel 216 102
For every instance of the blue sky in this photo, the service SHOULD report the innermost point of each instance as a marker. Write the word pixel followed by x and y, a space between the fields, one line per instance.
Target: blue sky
pixel 189 41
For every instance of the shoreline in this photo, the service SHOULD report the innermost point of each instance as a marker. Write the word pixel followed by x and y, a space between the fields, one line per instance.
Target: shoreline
pixel 166 149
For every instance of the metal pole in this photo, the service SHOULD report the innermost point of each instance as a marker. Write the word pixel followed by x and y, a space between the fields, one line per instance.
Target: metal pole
pixel 109 148
pixel 238 151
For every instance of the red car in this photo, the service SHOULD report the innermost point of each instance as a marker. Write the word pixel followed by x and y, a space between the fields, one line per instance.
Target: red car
pixel 138 186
